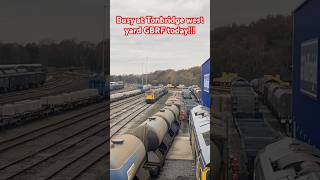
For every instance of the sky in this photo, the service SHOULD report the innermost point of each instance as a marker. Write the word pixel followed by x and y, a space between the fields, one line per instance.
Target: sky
pixel 226 12
pixel 147 53
pixel 129 54
pixel 34 20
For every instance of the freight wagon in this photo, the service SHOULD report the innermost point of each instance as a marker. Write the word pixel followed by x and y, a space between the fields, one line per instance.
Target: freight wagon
pixel 122 95
pixel 254 132
pixel 116 85
pixel 21 76
pixel 23 111
pixel 140 153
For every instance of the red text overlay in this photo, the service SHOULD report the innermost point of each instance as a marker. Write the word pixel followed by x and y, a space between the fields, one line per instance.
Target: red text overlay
pixel 151 25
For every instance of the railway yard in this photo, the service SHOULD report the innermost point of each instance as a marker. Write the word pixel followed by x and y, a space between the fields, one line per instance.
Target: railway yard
pixel 68 135
pixel 163 127
pixel 248 118
pixel 58 146
pixel 245 125
pixel 57 142
pixel 166 135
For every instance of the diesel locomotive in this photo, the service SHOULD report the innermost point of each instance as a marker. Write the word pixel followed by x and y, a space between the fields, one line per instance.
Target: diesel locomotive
pixel 199 123
pixel 155 93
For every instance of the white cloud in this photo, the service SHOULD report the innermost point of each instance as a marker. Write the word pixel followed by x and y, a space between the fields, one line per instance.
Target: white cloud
pixel 163 51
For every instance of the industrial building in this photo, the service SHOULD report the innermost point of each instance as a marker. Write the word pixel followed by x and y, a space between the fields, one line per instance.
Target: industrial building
pixel 205 83
pixel 306 102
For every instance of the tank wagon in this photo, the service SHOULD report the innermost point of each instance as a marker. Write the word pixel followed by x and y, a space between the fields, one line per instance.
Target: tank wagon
pixel 21 76
pixel 122 95
pixel 23 111
pixel 277 95
pixel 116 85
pixel 154 94
pixel 278 98
pixel 287 159
pixel 199 123
pixel 141 152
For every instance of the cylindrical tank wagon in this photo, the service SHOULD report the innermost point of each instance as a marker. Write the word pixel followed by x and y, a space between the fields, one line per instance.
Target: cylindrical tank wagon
pixel 128 154
pixel 156 135
pixel 122 95
pixel 277 95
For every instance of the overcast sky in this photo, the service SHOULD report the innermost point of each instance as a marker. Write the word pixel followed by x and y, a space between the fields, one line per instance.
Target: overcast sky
pixel 35 20
pixel 129 54
pixel 226 12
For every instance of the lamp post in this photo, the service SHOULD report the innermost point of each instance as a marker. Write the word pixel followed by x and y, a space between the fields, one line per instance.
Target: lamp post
pixel 104 40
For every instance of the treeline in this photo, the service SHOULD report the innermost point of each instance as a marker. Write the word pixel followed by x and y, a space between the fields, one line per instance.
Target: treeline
pixel 262 47
pixel 187 77
pixel 66 53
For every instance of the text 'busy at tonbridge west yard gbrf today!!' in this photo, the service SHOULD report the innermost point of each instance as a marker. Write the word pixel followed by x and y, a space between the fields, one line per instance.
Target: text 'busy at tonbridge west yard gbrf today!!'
pixel 170 25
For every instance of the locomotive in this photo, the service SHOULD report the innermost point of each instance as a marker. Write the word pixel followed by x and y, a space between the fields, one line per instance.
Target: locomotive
pixel 155 93
pixel 199 123
pixel 287 159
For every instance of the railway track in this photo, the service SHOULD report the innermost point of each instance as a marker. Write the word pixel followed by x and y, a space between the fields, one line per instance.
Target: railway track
pixel 124 101
pixel 123 90
pixel 51 82
pixel 52 153
pixel 58 124
pixel 117 129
